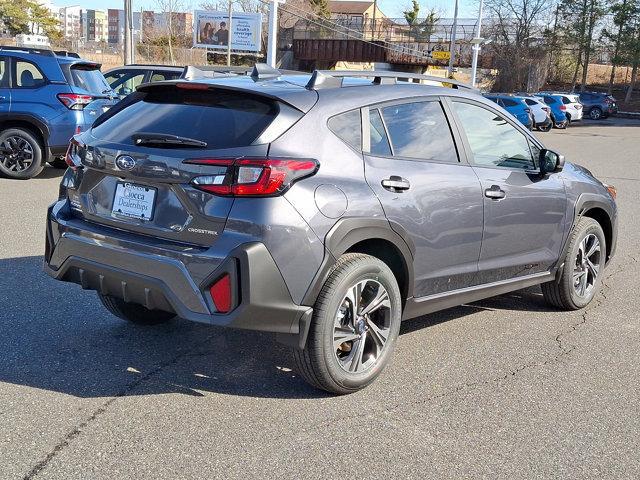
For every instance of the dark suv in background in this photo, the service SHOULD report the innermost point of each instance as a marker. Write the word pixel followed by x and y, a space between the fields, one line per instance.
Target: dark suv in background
pixel 324 208
pixel 46 97
pixel 598 105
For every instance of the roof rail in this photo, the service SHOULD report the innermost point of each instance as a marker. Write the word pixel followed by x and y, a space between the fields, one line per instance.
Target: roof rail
pixel 41 51
pixel 321 79
pixel 260 71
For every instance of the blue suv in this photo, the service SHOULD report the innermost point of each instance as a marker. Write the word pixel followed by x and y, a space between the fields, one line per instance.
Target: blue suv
pixel 516 106
pixel 46 97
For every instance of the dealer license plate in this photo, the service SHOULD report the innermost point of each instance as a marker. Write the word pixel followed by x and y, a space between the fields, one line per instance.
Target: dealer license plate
pixel 133 201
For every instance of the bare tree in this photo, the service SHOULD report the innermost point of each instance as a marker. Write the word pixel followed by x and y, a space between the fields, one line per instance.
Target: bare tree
pixel 169 10
pixel 517 29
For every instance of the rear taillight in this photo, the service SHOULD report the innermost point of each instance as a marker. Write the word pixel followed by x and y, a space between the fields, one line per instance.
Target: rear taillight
pixel 221 293
pixel 72 157
pixel 75 101
pixel 563 107
pixel 546 109
pixel 252 177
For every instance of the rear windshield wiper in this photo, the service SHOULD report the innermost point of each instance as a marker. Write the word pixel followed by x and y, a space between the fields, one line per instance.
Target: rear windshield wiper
pixel 166 139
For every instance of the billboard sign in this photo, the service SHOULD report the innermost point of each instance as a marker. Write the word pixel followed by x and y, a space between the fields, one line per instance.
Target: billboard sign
pixel 211 30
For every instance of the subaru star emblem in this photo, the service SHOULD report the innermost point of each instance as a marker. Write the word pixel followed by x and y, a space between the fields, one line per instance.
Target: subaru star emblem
pixel 125 162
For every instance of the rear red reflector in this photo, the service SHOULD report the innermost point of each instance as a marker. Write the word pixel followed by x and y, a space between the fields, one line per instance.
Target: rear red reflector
pixel 221 293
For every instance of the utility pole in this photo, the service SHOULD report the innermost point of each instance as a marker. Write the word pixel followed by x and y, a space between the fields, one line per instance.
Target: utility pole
pixel 272 38
pixel 476 46
pixel 373 20
pixel 229 39
pixel 128 37
pixel 452 45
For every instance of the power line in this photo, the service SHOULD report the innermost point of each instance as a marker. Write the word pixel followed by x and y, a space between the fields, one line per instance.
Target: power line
pixel 325 22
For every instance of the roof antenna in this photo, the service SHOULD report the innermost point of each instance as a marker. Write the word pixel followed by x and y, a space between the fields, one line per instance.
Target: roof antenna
pixel 321 80
pixel 262 71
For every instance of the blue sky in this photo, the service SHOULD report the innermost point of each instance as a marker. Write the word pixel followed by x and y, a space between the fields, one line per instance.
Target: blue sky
pixel 392 8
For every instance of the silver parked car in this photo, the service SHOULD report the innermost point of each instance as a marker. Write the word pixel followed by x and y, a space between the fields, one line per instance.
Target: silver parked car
pixel 326 208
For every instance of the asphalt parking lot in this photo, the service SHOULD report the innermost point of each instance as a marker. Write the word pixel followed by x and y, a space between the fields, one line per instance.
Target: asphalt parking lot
pixel 504 388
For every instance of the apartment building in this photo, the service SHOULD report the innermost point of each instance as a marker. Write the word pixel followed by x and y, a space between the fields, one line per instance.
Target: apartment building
pixel 116 24
pixel 157 24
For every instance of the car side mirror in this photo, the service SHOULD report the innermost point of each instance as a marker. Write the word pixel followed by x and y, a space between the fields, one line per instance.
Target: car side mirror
pixel 550 161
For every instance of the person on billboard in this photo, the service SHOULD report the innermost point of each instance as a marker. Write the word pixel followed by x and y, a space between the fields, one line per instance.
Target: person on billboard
pixel 222 34
pixel 206 33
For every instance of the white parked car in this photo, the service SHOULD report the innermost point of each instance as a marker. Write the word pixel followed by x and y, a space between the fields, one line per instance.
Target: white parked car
pixel 570 105
pixel 540 111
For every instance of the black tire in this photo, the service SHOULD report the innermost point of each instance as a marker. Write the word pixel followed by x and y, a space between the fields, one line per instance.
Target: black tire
pixel 596 113
pixel 561 292
pixel 318 362
pixel 545 128
pixel 20 146
pixel 134 313
pixel 58 163
pixel 561 125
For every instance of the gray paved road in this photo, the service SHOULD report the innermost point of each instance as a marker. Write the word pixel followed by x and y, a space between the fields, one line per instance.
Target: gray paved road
pixel 505 388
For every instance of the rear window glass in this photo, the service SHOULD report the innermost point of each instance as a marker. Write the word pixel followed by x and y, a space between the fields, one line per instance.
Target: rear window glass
pixel 549 100
pixel 566 100
pixel 348 127
pixel 90 79
pixel 509 103
pixel 222 119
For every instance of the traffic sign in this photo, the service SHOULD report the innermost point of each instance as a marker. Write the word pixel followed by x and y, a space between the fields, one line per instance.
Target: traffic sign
pixel 438 55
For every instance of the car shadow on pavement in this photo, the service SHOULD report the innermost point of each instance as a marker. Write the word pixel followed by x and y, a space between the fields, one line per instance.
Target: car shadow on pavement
pixel 55 336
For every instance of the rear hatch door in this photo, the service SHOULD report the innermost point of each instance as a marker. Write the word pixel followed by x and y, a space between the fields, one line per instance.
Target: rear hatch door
pixel 136 172
pixel 87 79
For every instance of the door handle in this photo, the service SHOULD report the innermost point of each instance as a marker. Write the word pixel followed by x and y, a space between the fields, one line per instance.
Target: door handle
pixel 395 183
pixel 495 192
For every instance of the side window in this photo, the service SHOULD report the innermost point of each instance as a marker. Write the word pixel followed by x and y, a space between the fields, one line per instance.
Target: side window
pixel 420 130
pixel 125 82
pixel 378 135
pixel 348 127
pixel 160 76
pixel 4 72
pixel 28 75
pixel 494 142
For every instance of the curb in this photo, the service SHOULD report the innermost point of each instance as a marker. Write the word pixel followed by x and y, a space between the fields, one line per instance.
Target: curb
pixel 635 115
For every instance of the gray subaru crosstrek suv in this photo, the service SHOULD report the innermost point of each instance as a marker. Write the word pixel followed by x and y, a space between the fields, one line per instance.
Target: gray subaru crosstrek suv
pixel 324 208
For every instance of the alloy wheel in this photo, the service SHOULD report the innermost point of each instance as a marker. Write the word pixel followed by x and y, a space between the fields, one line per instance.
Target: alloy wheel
pixel 587 265
pixel 595 113
pixel 362 326
pixel 16 154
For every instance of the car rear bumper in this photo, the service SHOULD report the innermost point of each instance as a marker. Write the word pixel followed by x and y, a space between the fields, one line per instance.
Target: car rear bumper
pixel 175 278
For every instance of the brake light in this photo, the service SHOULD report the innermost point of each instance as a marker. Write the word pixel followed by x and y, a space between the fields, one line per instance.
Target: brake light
pixel 546 109
pixel 72 157
pixel 192 86
pixel 252 177
pixel 221 293
pixel 75 101
pixel 563 107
